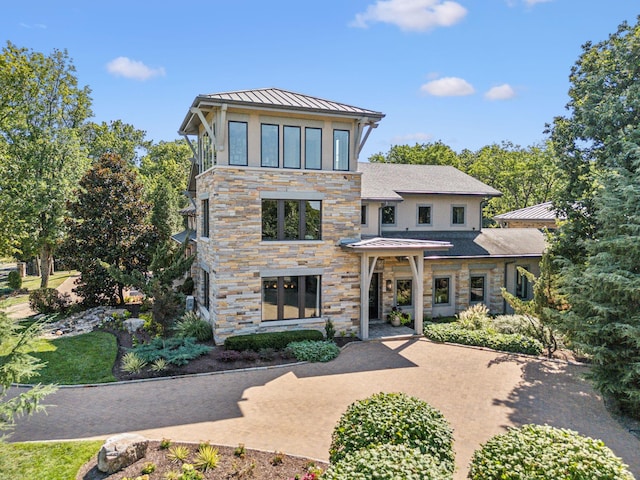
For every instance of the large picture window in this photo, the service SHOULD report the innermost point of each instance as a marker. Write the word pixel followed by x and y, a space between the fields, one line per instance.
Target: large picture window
pixel 238 143
pixel 389 215
pixel 313 148
pixel 290 297
pixel 292 147
pixel 477 289
pixel 341 149
pixel 291 219
pixel 269 145
pixel 404 293
pixel 441 291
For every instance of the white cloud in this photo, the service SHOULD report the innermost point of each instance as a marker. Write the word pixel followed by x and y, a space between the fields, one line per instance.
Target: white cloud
pixel 411 137
pixel 531 3
pixel 501 92
pixel 34 25
pixel 412 15
pixel 125 67
pixel 448 87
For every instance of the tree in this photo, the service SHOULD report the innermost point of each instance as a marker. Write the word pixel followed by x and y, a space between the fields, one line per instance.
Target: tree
pixel 17 365
pixel 436 153
pixel 108 222
pixel 599 152
pixel 42 109
pixel 116 137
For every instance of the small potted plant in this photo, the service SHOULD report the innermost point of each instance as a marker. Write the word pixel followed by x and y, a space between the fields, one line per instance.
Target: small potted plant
pixel 397 317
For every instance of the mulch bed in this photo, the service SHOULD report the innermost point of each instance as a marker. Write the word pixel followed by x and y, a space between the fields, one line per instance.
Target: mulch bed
pixel 255 465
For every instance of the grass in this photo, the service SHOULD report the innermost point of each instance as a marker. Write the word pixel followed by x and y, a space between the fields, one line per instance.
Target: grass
pixel 86 358
pixel 50 460
pixel 33 283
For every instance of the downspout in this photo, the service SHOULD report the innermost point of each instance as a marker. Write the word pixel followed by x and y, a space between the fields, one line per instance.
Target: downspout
pixel 504 301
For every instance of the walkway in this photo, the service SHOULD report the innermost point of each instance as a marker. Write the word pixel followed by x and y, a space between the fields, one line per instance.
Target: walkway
pixel 295 409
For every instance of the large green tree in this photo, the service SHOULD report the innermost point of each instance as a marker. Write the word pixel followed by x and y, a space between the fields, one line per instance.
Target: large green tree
pixel 599 151
pixel 436 153
pixel 42 109
pixel 109 222
pixel 115 137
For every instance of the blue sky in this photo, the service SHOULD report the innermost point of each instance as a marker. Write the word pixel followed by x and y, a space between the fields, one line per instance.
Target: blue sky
pixel 467 72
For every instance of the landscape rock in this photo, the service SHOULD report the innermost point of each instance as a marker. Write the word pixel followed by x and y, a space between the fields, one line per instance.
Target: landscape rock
pixel 133 324
pixel 120 451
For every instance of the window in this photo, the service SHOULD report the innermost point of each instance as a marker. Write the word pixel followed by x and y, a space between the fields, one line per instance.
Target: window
pixel 441 291
pixel 341 150
pixel 457 215
pixel 522 284
pixel 238 143
pixel 290 297
pixel 269 150
pixel 477 289
pixel 205 218
pixel 363 215
pixel 291 219
pixel 313 148
pixel 207 154
pixel 424 214
pixel 404 293
pixel 292 147
pixel 389 215
pixel 205 289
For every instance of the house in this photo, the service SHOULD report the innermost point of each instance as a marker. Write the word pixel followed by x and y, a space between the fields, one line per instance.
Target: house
pixel 540 216
pixel 292 230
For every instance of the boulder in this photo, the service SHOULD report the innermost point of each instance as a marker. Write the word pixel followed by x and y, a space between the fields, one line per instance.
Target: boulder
pixel 120 451
pixel 133 324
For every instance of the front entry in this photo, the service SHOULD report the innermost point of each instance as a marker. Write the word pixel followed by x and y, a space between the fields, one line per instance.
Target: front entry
pixel 374 297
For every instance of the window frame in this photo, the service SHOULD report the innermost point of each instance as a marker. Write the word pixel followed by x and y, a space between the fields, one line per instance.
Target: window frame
pixel 262 145
pixel 453 216
pixel 435 288
pixel 336 151
pixel 424 205
pixel 484 289
pixel 281 294
pixel 246 142
pixel 286 128
pixel 206 290
pixel 306 149
pixel 364 215
pixel 205 220
pixel 521 282
pixel 386 224
pixel 281 219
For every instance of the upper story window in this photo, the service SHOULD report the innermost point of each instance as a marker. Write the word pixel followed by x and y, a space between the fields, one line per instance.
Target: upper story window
pixel 341 149
pixel 389 215
pixel 207 153
pixel 363 215
pixel 313 148
pixel 291 219
pixel 457 215
pixel 269 150
pixel 205 218
pixel 238 143
pixel 291 147
pixel 424 214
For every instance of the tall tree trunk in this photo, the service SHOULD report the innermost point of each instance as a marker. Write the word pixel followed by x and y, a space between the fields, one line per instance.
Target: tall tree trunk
pixel 45 265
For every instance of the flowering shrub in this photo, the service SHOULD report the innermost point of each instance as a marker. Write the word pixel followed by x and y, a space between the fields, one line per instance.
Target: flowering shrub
pixel 387 462
pixel 546 453
pixel 396 419
pixel 313 351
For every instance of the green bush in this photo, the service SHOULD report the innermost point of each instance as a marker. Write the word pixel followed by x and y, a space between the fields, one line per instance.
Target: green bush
pixel 14 280
pixel 393 418
pixel 546 453
pixel 190 325
pixel 49 300
pixel 476 317
pixel 515 324
pixel 275 340
pixel 387 462
pixel 177 351
pixel 188 286
pixel 454 333
pixel 313 351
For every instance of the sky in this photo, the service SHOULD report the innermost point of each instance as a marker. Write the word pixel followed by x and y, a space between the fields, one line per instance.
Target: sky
pixel 468 73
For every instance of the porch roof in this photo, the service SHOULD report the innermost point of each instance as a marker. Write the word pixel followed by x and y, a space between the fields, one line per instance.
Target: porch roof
pixel 379 243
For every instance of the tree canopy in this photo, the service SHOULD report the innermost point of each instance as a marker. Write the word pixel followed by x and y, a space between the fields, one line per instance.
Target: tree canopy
pixel 115 137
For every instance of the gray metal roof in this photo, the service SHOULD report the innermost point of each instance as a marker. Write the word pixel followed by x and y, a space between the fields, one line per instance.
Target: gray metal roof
pixel 541 211
pixel 276 98
pixel 182 236
pixel 379 243
pixel 388 181
pixel 489 242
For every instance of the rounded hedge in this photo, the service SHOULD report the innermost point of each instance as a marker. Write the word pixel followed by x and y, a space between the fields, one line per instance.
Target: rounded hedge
pixel 387 462
pixel 314 351
pixel 396 419
pixel 545 453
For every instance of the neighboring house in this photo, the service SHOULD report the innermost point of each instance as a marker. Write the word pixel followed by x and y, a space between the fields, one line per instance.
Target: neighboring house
pixel 540 216
pixel 293 231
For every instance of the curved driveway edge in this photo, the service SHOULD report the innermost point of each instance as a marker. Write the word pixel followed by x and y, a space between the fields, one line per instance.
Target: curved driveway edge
pixel 294 409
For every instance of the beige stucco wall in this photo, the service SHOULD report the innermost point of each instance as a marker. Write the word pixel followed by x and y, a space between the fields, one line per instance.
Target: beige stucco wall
pixel 237 257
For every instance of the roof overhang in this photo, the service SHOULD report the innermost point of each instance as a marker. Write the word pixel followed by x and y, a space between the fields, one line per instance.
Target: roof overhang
pixel 394 246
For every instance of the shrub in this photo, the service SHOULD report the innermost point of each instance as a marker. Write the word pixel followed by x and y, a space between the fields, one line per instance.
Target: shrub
pixel 329 330
pixel 207 458
pixel 178 454
pixel 393 418
pixel 14 280
pixel 514 324
pixel 159 365
pixel 178 351
pixel 49 300
pixel 148 467
pixel 475 317
pixel 165 443
pixel 546 453
pixel 190 325
pixel 314 351
pixel 275 340
pixel 453 333
pixel 188 286
pixel 132 363
pixel 228 356
pixel 387 462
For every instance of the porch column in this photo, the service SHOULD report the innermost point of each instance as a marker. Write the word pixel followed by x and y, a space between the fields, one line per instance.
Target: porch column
pixel 417 269
pixel 367 267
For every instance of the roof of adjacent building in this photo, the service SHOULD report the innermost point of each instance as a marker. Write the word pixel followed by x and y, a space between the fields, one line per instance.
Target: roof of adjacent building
pixel 182 236
pixel 489 242
pixel 388 181
pixel 541 211
pixel 279 99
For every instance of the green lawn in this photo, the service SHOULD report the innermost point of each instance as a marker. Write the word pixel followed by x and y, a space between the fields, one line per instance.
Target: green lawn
pixel 86 358
pixel 50 460
pixel 33 283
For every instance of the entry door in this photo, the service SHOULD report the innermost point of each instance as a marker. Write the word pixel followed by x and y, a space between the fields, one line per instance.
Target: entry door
pixel 374 297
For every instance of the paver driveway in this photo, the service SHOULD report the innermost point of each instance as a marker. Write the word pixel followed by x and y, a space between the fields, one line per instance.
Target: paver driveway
pixel 294 409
